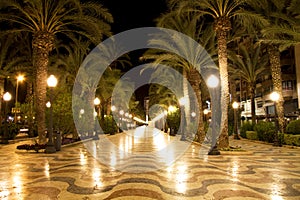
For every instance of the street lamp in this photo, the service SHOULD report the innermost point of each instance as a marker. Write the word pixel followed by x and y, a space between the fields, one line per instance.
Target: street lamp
pixel 50 148
pixel 6 98
pixel 20 78
pixel 121 121
pixel 235 106
pixel 172 109
pixel 205 112
pixel 113 108
pixel 193 114
pixel 213 83
pixel 275 97
pixel 97 103
pixel 182 103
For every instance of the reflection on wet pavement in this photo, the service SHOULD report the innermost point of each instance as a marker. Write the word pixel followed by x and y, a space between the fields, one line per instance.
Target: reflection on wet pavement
pixel 146 163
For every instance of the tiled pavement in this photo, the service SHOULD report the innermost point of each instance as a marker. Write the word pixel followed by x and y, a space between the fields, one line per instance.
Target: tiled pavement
pixel 261 172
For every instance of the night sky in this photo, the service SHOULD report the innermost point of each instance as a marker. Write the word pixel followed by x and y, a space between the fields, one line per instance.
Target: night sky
pixel 135 14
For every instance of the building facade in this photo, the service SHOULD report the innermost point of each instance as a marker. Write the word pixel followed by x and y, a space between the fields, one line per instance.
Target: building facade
pixel 264 106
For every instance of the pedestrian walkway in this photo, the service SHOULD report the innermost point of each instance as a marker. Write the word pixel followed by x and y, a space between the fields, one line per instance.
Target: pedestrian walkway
pixel 148 164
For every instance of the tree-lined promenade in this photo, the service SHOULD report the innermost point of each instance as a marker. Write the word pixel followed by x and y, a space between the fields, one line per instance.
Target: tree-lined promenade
pixel 244 38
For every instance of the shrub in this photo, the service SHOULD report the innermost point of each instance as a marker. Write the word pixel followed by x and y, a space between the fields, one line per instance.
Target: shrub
pixel 108 125
pixel 292 139
pixel 265 131
pixel 251 135
pixel 12 130
pixel 293 127
pixel 173 120
pixel 246 126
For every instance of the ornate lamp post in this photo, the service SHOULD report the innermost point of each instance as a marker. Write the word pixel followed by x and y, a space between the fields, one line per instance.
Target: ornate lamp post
pixel 20 78
pixel 182 102
pixel 213 82
pixel 193 114
pixel 171 109
pixel 121 120
pixel 275 97
pixel 97 104
pixel 113 109
pixel 6 98
pixel 205 112
pixel 235 106
pixel 50 148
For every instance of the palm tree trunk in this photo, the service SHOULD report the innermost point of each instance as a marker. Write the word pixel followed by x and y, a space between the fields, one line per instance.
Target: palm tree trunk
pixel 195 80
pixel 274 54
pixel 42 44
pixel 223 66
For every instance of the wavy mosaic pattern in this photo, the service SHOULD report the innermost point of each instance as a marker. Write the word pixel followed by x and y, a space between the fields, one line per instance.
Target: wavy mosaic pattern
pixel 262 172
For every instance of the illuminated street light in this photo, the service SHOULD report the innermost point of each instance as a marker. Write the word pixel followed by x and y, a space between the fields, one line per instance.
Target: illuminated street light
pixel 275 97
pixel 50 148
pixel 6 98
pixel 20 78
pixel 205 112
pixel 193 114
pixel 213 83
pixel 171 109
pixel 113 108
pixel 97 104
pixel 48 104
pixel 96 101
pixel 235 106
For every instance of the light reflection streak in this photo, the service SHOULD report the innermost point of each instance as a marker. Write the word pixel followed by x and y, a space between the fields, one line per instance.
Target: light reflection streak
pixel 159 141
pixel 234 170
pixel 17 182
pixel 47 169
pixel 4 194
pixel 275 194
pixel 83 159
pixel 181 177
pixel 97 177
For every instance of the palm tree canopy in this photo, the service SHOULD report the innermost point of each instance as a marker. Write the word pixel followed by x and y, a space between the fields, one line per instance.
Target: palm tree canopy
pixel 88 19
pixel 250 64
pixel 283 28
pixel 222 12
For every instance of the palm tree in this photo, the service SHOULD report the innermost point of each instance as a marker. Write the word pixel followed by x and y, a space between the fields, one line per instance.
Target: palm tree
pixel 275 11
pixel 223 13
pixel 161 95
pixel 249 65
pixel 192 27
pixel 46 20
pixel 291 31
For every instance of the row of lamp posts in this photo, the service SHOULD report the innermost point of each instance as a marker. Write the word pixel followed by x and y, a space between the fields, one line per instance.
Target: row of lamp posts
pixel 52 82
pixel 50 148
